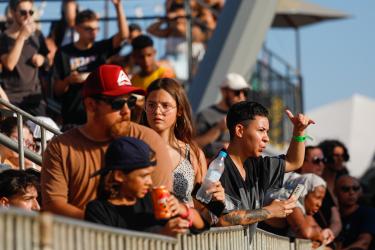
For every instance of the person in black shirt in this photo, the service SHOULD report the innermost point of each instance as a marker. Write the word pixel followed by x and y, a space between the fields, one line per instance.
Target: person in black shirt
pixel 23 55
pixel 247 175
pixel 75 61
pixel 358 222
pixel 124 199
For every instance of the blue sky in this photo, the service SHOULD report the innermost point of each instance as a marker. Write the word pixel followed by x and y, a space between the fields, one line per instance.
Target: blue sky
pixel 338 57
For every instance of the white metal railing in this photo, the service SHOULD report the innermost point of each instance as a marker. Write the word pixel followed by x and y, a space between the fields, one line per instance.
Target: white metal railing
pixel 33 231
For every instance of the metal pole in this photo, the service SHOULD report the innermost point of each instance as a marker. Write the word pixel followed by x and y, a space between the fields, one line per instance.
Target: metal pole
pixel 189 40
pixel 21 157
pixel 106 14
pixel 298 69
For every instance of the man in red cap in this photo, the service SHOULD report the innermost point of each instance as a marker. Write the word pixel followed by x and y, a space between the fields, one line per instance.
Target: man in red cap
pixel 72 157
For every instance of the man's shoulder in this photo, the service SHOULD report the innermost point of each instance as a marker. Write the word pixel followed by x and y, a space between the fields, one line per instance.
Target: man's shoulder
pixel 67 136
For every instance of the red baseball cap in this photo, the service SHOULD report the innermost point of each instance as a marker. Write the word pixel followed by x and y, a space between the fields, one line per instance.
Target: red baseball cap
pixel 109 80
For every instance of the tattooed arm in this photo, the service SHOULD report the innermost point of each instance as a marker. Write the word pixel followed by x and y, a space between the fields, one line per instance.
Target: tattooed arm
pixel 277 209
pixel 243 217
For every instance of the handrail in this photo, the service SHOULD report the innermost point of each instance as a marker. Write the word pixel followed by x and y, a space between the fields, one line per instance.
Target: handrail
pixel 19 147
pixel 20 229
pixel 31 155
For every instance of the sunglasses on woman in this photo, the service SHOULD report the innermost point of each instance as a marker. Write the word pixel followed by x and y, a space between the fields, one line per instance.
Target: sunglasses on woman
pixel 26 12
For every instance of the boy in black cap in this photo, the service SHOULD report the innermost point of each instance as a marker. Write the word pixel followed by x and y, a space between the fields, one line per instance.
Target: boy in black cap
pixel 124 199
pixel 247 174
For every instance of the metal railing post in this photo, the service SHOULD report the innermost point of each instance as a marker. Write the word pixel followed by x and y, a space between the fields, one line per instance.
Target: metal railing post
pixel 21 156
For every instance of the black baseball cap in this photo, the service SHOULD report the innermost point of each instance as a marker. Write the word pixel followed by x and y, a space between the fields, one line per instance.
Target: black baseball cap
pixel 127 154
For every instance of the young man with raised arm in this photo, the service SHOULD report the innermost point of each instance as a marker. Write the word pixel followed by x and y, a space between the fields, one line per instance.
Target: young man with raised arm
pixel 247 174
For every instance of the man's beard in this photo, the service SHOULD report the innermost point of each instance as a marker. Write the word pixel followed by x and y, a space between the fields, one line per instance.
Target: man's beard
pixel 120 128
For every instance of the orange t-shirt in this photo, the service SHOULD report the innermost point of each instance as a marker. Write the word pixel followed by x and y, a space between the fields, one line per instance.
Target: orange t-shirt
pixel 71 158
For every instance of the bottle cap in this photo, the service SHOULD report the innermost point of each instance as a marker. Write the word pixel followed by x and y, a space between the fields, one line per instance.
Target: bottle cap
pixel 223 154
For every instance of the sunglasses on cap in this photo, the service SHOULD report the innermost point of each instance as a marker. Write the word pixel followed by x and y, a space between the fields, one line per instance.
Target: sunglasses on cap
pixel 346 189
pixel 118 103
pixel 26 12
pixel 317 160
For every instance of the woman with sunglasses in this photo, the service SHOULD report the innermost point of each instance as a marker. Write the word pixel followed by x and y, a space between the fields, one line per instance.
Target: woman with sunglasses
pixel 168 112
pixel 23 54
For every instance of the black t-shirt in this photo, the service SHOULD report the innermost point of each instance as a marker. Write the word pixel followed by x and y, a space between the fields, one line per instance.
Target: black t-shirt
pixel 22 85
pixel 361 221
pixel 69 59
pixel 138 217
pixel 262 173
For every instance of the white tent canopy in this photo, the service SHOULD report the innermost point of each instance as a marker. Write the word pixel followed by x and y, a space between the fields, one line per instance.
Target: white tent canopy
pixel 351 121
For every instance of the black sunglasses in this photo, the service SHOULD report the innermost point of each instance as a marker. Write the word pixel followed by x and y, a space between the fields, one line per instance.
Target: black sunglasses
pixel 25 12
pixel 238 92
pixel 347 189
pixel 316 160
pixel 118 103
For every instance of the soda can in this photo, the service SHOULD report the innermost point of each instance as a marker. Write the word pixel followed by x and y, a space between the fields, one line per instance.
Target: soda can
pixel 160 197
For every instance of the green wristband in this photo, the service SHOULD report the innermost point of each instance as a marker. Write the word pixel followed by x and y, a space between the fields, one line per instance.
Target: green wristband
pixel 302 138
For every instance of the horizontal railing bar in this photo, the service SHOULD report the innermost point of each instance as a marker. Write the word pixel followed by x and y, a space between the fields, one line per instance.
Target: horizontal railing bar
pixel 34 157
pixel 29 116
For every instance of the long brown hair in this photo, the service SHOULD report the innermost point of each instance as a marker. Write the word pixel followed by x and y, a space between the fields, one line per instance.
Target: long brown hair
pixel 183 129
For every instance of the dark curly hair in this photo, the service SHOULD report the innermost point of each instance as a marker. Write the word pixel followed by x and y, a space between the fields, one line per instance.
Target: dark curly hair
pixel 15 182
pixel 328 146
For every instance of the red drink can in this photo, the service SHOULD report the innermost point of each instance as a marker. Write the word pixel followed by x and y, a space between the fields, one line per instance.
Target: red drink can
pixel 160 197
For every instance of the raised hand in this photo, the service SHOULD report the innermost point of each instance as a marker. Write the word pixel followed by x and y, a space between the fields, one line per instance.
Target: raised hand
pixel 300 121
pixel 116 2
pixel 27 29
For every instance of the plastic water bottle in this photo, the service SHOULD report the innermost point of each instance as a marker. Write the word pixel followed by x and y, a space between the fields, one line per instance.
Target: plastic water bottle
pixel 214 172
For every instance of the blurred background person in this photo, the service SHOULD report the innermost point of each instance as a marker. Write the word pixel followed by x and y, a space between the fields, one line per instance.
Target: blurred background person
pixel 74 62
pixel 336 155
pixel 212 133
pixel 9 157
pixel 358 221
pixel 23 53
pixel 144 56
pixel 62 32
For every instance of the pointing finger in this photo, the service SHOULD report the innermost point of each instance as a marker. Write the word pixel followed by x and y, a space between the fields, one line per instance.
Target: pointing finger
pixel 289 114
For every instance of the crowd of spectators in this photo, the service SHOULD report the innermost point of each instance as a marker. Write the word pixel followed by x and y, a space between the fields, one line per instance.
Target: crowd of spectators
pixel 128 126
